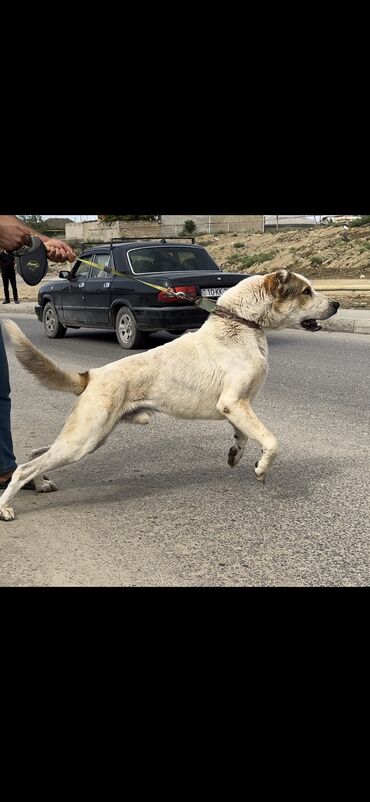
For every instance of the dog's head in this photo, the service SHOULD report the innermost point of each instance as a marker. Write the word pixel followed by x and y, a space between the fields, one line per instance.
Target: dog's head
pixel 294 300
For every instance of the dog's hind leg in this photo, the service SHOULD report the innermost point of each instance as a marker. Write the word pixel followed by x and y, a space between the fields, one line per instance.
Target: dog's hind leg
pixel 240 414
pixel 77 439
pixel 237 450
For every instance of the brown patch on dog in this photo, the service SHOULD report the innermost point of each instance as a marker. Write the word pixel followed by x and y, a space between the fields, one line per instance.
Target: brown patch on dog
pixel 284 284
pixel 270 284
pixel 85 376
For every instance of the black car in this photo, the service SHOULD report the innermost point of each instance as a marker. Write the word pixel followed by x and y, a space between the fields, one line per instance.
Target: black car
pixel 108 296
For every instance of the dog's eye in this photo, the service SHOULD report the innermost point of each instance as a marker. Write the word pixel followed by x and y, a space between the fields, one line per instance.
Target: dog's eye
pixel 307 291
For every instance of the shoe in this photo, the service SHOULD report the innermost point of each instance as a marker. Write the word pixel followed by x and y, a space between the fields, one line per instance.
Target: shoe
pixel 16 301
pixel 6 302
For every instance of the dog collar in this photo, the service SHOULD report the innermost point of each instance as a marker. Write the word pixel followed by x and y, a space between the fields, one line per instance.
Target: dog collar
pixel 229 315
pixel 210 306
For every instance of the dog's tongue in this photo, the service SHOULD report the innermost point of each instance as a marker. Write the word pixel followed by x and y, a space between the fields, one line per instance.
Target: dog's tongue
pixel 311 325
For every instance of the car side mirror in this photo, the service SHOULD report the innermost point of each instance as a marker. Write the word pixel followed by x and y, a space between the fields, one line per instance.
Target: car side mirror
pixel 65 274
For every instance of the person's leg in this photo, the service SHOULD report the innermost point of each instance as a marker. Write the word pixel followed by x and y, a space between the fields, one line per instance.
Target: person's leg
pixel 13 282
pixel 7 459
pixel 5 279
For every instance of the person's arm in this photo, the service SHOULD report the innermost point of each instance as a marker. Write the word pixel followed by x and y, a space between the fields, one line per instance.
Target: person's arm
pixel 14 233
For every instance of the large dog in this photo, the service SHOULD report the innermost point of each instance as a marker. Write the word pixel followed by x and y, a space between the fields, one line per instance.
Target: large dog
pixel 213 373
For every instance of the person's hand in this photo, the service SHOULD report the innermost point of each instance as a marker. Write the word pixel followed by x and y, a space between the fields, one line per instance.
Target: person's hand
pixel 12 235
pixel 59 251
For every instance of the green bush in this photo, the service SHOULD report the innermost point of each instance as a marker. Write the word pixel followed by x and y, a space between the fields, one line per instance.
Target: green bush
pixel 189 227
pixel 362 221
pixel 316 261
pixel 239 245
pixel 246 261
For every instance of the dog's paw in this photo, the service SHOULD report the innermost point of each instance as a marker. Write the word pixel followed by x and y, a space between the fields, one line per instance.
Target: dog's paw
pixel 260 473
pixel 235 455
pixel 7 514
pixel 142 418
pixel 45 486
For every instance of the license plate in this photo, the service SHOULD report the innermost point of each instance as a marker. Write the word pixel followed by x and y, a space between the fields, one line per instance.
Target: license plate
pixel 213 292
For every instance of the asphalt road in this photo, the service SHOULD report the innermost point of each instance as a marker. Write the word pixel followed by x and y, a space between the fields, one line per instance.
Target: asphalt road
pixel 158 505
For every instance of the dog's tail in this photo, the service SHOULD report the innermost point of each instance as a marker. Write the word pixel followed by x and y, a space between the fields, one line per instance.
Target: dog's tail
pixel 42 367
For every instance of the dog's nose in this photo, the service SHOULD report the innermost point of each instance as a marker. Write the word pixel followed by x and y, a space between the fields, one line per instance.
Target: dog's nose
pixel 336 305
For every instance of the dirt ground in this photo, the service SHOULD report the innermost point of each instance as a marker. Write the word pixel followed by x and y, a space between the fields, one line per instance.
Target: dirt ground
pixel 318 252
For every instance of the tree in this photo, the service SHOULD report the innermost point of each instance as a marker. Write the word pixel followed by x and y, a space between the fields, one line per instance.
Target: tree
pixel 189 227
pixel 34 221
pixel 112 218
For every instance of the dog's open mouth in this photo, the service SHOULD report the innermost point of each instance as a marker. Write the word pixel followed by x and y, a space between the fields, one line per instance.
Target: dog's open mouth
pixel 310 324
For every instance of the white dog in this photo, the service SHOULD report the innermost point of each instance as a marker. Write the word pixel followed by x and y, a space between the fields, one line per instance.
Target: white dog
pixel 211 374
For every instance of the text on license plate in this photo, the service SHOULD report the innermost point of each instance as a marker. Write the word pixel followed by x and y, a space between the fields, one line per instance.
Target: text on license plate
pixel 213 292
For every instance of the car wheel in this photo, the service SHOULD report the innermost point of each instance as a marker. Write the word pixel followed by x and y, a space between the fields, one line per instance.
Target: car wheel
pixel 128 334
pixel 53 328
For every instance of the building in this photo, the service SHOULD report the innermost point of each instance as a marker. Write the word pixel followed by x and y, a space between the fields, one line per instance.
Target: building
pixel 274 222
pixel 55 226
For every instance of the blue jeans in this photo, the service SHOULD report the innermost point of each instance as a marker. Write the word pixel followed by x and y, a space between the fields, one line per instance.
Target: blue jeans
pixel 7 458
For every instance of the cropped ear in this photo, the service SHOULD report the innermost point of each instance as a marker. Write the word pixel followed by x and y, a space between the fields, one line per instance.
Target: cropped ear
pixel 282 278
pixel 278 283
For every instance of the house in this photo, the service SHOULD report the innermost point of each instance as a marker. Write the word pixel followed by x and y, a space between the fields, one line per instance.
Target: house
pixel 56 226
pixel 274 222
pixel 333 218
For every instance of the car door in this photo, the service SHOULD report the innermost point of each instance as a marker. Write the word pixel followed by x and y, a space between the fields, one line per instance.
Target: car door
pixel 97 291
pixel 73 294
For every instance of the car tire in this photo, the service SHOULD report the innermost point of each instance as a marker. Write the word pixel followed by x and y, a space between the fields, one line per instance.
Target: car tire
pixel 53 328
pixel 127 332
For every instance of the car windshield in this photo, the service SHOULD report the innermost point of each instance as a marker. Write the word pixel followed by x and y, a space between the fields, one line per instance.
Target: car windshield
pixel 168 259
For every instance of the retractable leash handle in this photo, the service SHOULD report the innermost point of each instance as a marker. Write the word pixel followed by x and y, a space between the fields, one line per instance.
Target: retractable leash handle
pixel 31 261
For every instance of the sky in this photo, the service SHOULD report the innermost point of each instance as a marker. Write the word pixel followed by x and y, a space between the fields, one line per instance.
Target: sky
pixel 78 218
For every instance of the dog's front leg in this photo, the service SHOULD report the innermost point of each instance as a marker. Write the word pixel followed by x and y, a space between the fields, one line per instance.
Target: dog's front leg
pixel 42 483
pixel 237 450
pixel 240 414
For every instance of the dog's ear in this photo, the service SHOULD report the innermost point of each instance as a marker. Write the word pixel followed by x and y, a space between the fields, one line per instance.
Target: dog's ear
pixel 278 283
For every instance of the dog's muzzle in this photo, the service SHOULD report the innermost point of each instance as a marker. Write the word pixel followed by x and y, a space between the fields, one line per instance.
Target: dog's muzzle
pixel 312 325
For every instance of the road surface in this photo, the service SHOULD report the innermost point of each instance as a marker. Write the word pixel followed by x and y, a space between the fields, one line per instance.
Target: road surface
pixel 158 505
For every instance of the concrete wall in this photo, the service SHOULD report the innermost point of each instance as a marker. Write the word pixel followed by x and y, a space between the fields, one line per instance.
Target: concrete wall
pixel 212 224
pixel 95 231
pixel 171 225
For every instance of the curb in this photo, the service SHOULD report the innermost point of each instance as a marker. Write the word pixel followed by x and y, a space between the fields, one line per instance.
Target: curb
pixel 349 325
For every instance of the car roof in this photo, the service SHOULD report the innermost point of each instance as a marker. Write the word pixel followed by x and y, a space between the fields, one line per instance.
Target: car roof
pixel 139 243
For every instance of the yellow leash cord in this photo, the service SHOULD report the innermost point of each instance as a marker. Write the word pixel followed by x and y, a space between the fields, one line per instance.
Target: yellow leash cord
pixel 202 303
pixel 169 290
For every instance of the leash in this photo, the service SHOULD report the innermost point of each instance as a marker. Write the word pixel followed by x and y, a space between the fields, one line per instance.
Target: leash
pixel 201 303
pixel 168 290
pixel 32 265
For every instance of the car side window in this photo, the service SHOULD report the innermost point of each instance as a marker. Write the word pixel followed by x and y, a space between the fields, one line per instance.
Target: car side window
pixel 82 271
pixel 103 260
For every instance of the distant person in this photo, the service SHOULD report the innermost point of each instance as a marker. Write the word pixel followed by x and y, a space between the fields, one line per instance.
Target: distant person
pixel 7 267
